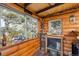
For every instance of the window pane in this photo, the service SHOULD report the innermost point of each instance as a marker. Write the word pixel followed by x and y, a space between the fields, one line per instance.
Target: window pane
pixel 55 27
pixel 32 27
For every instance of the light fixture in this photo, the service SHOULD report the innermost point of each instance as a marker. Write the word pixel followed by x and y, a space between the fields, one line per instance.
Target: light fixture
pixel 72 19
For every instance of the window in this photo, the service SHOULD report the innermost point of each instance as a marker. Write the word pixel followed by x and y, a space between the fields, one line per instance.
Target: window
pixel 32 27
pixel 17 26
pixel 55 27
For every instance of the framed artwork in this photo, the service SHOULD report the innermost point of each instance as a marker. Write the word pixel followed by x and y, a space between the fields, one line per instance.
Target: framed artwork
pixel 55 27
pixel 72 19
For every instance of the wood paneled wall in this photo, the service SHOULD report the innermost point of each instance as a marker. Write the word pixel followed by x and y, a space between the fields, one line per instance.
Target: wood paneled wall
pixel 67 27
pixel 26 48
pixel 68 40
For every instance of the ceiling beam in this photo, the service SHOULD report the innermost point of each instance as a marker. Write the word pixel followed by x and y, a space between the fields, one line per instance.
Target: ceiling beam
pixel 24 8
pixel 47 8
pixel 27 10
pixel 27 4
pixel 61 12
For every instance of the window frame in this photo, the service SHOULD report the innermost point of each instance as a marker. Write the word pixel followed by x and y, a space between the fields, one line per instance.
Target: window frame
pixel 49 26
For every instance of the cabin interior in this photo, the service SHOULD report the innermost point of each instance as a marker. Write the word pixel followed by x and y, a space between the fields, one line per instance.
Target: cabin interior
pixel 39 29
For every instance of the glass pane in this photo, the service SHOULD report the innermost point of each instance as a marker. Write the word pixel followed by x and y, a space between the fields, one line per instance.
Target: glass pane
pixel 55 27
pixel 32 27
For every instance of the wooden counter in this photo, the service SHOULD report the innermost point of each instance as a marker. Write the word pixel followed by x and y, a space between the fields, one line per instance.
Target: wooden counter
pixel 25 48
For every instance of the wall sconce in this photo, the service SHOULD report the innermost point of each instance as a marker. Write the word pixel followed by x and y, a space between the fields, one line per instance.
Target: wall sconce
pixel 72 19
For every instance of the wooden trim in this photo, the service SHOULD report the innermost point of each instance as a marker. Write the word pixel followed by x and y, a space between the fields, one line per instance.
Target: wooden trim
pixel 52 6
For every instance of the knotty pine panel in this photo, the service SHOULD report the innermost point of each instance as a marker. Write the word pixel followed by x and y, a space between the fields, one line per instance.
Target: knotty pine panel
pixel 22 49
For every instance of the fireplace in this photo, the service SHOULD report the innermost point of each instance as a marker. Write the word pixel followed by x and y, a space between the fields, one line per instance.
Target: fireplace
pixel 54 46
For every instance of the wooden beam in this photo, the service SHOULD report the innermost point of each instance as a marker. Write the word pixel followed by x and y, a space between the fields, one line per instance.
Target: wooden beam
pixel 27 10
pixel 47 8
pixel 26 4
pixel 24 8
pixel 63 12
pixel 14 7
